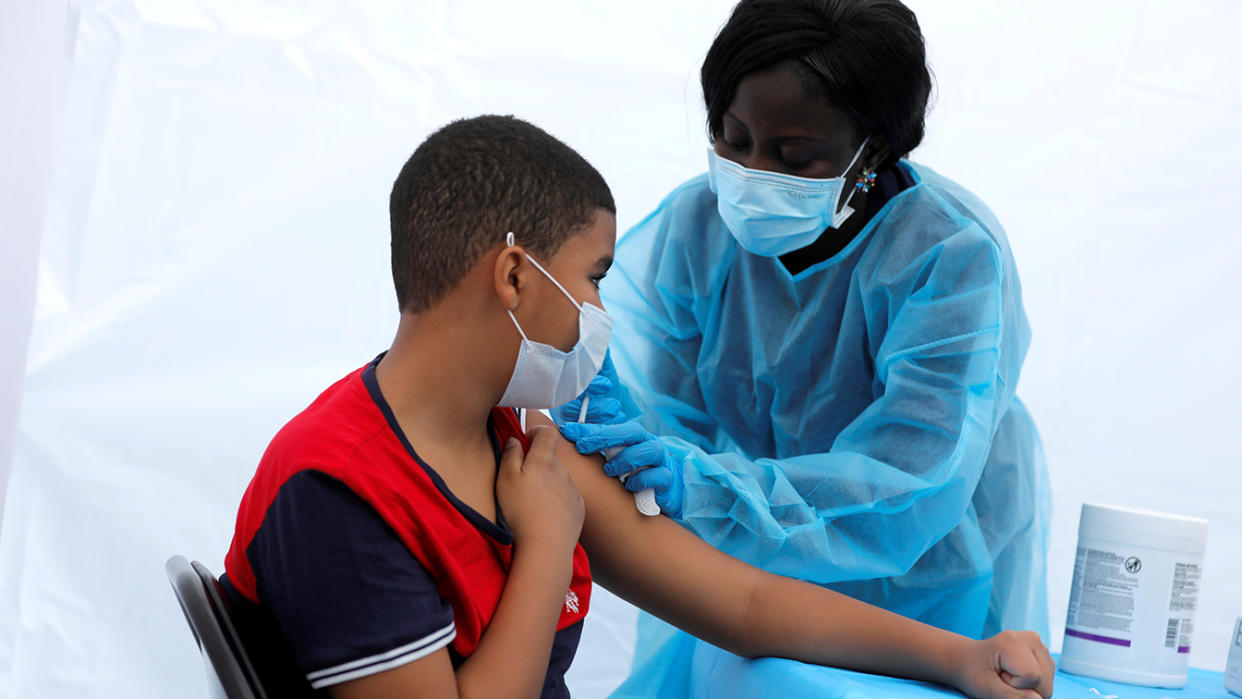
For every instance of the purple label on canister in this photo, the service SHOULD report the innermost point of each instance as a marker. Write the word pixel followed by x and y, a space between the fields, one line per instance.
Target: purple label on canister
pixel 1100 639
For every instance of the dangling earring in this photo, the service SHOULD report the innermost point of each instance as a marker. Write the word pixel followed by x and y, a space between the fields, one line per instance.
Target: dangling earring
pixel 866 180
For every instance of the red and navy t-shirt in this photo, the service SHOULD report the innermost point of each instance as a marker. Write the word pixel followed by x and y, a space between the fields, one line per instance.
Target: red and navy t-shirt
pixel 352 557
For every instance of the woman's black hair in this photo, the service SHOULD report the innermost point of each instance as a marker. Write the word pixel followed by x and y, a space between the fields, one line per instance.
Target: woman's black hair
pixel 865 57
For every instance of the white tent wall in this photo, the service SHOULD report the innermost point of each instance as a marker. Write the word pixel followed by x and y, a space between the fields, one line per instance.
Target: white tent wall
pixel 214 253
pixel 32 68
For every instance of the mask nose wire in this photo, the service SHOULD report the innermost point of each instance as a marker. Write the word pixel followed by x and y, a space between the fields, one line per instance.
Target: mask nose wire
pixel 729 167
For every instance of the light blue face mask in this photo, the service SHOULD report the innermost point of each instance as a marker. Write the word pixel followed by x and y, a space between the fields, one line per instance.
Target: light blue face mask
pixel 772 214
pixel 544 376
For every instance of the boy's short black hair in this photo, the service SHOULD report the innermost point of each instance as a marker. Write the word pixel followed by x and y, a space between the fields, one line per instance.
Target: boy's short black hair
pixel 472 182
pixel 865 57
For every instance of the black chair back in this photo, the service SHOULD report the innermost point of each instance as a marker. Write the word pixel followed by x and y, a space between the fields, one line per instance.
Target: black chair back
pixel 231 674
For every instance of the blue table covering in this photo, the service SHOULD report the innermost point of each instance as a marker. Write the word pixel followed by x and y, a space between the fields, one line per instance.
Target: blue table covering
pixel 722 675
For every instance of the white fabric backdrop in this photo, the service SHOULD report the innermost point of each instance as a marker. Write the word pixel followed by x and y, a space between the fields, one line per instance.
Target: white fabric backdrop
pixel 32 64
pixel 215 253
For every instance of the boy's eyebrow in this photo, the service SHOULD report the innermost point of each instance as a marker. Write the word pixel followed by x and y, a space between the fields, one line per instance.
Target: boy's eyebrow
pixel 604 263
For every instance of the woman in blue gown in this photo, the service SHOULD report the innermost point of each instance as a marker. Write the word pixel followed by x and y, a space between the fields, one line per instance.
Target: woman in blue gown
pixel 821 340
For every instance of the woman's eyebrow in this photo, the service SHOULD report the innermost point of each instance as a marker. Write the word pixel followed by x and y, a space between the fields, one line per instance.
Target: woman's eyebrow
pixel 817 140
pixel 741 124
pixel 814 140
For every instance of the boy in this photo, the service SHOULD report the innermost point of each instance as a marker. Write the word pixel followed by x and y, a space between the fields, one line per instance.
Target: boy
pixel 404 536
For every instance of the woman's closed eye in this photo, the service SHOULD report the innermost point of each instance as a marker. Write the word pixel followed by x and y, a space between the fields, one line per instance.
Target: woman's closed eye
pixel 796 158
pixel 737 145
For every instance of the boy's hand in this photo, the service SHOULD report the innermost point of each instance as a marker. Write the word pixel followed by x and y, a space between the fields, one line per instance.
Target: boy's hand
pixel 1009 665
pixel 537 495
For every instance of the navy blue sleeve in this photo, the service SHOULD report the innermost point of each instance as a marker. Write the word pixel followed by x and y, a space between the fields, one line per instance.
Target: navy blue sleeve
pixel 349 597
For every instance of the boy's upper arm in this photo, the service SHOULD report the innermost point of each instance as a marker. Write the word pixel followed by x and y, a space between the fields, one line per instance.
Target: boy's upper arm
pixel 349 597
pixel 652 561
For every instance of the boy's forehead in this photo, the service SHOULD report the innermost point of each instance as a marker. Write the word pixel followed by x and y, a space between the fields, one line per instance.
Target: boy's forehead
pixel 605 226
pixel 597 238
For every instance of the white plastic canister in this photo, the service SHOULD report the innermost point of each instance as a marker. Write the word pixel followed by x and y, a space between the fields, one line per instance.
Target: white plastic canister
pixel 1133 598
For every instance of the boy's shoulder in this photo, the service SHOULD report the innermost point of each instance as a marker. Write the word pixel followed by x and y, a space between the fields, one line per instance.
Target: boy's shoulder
pixel 332 429
pixel 329 436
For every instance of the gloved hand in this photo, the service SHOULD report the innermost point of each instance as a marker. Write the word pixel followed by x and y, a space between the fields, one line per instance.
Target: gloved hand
pixel 605 405
pixel 643 462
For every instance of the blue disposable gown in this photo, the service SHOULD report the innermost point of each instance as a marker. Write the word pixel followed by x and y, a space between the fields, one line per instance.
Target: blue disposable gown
pixel 855 424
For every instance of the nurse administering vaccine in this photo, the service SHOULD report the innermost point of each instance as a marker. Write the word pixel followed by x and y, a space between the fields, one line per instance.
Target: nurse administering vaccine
pixel 821 340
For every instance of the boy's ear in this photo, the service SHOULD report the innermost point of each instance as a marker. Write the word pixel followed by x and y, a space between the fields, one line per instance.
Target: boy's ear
pixel 508 276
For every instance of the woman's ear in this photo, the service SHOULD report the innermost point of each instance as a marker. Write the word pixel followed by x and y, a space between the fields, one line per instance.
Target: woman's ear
pixel 508 276
pixel 875 153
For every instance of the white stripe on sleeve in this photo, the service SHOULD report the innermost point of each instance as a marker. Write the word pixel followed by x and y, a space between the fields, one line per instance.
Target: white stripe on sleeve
pixel 387 660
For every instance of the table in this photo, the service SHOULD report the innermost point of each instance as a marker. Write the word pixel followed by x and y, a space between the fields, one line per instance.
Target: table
pixel 721 675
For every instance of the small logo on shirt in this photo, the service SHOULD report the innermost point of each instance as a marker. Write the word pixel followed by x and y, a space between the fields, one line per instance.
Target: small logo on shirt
pixel 571 602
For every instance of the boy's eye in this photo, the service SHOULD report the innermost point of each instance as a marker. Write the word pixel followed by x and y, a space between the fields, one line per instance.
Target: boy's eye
pixel 597 279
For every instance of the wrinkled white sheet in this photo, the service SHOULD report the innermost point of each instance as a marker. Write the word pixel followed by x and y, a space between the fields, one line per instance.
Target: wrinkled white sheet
pixel 215 253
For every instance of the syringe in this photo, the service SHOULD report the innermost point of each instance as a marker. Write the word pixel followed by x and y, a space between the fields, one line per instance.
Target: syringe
pixel 644 499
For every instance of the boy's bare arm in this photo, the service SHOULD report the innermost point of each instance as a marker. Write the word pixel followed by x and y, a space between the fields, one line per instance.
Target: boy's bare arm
pixel 659 566
pixel 545 512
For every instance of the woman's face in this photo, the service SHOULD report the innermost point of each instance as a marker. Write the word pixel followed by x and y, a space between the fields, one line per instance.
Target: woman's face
pixel 773 124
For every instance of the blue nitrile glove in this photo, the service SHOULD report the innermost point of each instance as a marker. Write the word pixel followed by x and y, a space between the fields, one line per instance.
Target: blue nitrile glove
pixel 643 458
pixel 605 406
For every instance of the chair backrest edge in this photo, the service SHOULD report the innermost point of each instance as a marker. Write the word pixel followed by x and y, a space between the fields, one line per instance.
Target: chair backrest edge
pixel 204 618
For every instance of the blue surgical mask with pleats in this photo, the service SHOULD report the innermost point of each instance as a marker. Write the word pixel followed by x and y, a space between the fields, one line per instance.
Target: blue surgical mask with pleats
pixel 771 213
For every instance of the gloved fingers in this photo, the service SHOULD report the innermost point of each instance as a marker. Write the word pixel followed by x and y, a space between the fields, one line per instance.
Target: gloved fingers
pixel 664 482
pixel 575 432
pixel 591 439
pixel 604 407
pixel 604 410
pixel 567 412
pixel 641 455
pixel 657 478
pixel 601 385
pixel 622 434
pixel 606 369
pixel 572 431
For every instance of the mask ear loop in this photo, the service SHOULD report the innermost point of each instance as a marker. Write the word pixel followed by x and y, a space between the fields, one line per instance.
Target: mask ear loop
pixel 509 240
pixel 847 171
pixel 856 157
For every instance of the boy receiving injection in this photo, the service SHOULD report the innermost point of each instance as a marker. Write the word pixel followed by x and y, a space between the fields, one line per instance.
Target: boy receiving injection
pixel 404 536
